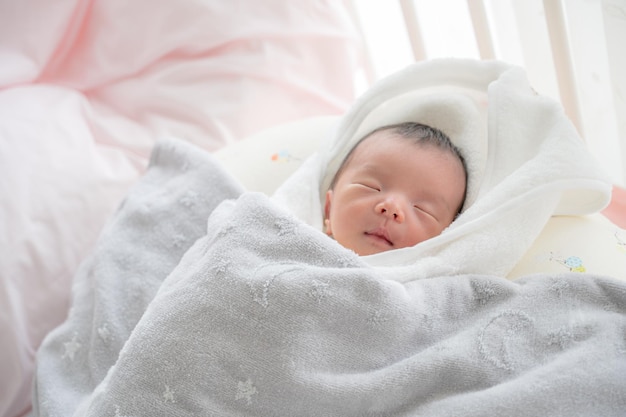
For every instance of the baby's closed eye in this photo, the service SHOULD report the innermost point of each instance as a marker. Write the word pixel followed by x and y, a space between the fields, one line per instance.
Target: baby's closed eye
pixel 370 185
pixel 425 210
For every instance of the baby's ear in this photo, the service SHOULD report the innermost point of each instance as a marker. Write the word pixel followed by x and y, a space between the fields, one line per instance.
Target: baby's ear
pixel 329 197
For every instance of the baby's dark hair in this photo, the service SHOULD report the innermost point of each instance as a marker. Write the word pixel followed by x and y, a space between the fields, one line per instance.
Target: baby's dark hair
pixel 420 134
pixel 423 134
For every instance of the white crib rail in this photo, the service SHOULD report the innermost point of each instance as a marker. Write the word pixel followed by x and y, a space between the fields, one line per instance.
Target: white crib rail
pixel 478 14
pixel 557 29
pixel 571 49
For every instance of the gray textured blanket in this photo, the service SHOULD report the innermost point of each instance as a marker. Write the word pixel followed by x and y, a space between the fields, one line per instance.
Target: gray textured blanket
pixel 265 316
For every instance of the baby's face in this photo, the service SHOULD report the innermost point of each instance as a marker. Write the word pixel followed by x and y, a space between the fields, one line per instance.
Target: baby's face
pixel 393 193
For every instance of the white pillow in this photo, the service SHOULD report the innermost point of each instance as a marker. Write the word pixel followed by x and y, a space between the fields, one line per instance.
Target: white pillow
pixel 263 161
pixel 578 244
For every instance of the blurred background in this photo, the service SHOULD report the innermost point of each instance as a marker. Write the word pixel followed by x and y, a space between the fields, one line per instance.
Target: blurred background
pixel 572 51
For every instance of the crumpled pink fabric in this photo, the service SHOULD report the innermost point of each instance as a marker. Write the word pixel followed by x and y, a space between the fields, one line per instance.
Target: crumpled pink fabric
pixel 87 87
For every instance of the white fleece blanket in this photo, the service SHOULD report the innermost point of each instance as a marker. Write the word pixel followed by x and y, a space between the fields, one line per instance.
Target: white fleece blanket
pixel 267 316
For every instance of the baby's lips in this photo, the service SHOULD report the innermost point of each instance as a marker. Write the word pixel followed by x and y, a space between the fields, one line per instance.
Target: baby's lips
pixel 381 233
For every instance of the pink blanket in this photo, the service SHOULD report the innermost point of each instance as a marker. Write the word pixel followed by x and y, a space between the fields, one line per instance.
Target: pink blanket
pixel 87 87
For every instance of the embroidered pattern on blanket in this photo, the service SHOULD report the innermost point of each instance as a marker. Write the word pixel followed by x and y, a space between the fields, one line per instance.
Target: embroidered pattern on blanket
pixel 265 315
pixel 305 326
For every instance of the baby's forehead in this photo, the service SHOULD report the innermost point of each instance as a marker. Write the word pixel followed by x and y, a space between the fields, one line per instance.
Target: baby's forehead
pixel 368 151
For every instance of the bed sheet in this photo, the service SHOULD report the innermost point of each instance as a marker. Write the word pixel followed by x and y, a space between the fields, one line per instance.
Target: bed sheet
pixel 87 87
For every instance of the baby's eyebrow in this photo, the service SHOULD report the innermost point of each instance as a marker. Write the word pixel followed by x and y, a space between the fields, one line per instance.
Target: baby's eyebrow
pixel 369 170
pixel 368 167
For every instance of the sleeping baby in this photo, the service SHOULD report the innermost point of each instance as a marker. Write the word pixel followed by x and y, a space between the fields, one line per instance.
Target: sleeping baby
pixel 400 185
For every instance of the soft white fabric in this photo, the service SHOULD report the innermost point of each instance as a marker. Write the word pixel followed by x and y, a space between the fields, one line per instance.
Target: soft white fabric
pixel 262 162
pixel 266 315
pixel 586 243
pixel 88 86
pixel 525 163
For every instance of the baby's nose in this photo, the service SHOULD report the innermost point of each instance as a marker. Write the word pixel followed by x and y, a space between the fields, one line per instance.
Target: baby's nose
pixel 391 208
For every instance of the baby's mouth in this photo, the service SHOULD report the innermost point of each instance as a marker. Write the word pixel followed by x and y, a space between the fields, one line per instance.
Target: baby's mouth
pixel 380 234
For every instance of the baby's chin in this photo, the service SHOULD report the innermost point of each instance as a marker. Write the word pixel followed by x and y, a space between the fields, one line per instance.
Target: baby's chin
pixel 371 249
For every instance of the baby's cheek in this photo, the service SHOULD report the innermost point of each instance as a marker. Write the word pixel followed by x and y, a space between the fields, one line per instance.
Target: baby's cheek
pixel 422 231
